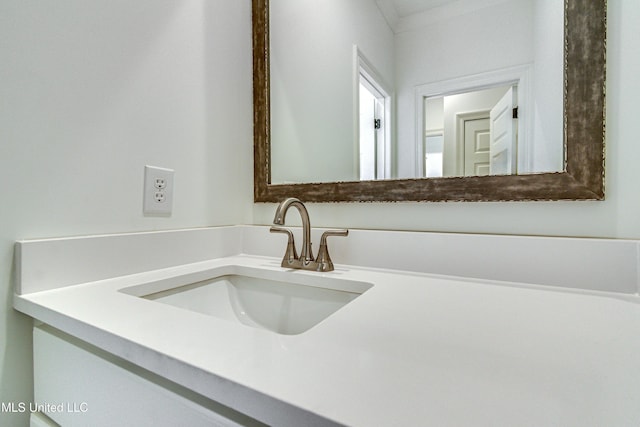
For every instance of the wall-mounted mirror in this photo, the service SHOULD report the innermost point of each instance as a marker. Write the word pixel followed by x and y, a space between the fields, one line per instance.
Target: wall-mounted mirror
pixel 375 100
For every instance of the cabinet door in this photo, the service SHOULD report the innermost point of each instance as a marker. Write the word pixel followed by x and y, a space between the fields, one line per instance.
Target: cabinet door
pixel 78 385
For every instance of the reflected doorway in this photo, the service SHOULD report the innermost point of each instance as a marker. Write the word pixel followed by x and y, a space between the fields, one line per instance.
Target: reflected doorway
pixel 372 125
pixel 471 134
pixel 373 117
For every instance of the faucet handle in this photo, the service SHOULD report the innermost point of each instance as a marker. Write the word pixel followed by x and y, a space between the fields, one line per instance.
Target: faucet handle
pixel 290 255
pixel 323 259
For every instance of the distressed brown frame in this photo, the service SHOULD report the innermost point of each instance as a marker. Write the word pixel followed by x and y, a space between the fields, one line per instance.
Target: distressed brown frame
pixel 584 125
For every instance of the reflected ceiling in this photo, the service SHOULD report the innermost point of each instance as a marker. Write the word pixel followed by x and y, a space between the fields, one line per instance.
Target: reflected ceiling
pixel 409 7
pixel 405 15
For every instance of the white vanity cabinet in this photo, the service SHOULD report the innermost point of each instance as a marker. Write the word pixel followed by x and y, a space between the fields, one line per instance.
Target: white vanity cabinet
pixel 79 385
pixel 557 346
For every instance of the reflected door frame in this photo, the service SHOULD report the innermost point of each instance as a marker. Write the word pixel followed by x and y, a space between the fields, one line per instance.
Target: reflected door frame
pixel 519 75
pixel 362 67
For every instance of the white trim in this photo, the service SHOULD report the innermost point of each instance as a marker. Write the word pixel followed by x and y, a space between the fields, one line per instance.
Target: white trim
pixel 519 75
pixel 355 110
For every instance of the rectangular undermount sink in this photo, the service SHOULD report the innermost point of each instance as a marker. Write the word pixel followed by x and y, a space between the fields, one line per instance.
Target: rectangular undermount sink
pixel 285 302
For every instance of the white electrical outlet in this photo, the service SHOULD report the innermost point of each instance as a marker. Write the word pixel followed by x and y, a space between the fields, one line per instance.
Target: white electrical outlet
pixel 158 191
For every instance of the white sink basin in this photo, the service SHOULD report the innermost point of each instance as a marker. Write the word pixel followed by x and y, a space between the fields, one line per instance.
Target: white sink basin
pixel 285 302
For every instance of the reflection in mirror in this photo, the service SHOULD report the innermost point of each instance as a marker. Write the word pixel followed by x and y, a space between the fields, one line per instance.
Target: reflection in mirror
pixel 374 119
pixel 472 133
pixel 335 119
pixel 449 55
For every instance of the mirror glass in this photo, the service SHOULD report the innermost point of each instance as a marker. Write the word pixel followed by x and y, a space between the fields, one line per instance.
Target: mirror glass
pixel 365 90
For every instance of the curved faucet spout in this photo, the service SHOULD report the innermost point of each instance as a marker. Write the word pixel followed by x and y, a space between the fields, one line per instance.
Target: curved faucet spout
pixel 306 254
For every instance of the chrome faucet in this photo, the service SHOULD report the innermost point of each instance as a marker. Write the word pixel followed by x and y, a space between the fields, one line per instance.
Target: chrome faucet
pixel 306 260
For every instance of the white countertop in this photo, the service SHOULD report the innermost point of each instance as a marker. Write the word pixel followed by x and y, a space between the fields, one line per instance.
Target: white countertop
pixel 414 350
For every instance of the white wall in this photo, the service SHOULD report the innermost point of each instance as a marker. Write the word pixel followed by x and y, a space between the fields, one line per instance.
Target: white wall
pixel 548 86
pixel 90 92
pixel 312 84
pixel 616 217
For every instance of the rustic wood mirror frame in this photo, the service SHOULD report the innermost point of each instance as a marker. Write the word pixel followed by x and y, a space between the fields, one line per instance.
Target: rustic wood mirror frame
pixel 584 107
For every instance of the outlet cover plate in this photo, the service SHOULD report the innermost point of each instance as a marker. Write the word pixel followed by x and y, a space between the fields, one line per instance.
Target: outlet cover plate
pixel 158 191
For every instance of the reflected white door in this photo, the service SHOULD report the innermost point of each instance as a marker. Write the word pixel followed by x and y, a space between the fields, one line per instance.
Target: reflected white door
pixel 372 134
pixel 476 147
pixel 504 128
pixel 380 143
pixel 367 164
